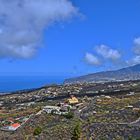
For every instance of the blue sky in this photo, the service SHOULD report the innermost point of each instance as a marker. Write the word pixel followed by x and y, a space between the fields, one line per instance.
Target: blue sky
pixel 100 35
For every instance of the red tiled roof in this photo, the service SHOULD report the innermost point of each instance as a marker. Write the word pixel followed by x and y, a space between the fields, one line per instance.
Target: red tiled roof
pixel 15 125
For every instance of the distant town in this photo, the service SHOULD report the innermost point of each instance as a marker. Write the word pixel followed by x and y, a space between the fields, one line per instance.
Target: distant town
pixel 57 111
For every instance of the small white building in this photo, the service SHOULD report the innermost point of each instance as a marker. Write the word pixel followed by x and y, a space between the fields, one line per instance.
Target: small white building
pixel 49 109
pixel 55 110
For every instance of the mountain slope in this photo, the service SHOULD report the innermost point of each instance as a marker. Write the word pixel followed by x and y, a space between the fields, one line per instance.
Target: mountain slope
pixel 128 73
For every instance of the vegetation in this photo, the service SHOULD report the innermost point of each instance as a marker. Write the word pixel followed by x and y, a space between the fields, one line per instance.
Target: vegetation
pixel 76 132
pixel 69 115
pixel 37 130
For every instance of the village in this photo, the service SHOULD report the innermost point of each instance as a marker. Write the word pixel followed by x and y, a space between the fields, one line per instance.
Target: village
pixel 114 105
pixel 63 108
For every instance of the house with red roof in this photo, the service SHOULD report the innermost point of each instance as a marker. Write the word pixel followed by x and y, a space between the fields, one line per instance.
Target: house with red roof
pixel 12 127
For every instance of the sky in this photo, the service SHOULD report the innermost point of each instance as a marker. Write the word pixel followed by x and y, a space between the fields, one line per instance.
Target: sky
pixel 68 37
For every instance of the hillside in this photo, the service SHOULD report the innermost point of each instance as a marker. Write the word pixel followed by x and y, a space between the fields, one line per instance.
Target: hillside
pixel 128 73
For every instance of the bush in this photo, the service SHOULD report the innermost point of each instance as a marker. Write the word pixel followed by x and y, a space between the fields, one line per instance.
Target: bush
pixel 76 132
pixel 69 115
pixel 37 130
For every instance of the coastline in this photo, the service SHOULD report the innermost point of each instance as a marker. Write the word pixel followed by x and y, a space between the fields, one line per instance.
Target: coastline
pixel 12 84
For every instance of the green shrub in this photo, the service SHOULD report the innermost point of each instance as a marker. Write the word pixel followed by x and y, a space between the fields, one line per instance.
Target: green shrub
pixel 76 132
pixel 37 130
pixel 69 115
pixel 130 138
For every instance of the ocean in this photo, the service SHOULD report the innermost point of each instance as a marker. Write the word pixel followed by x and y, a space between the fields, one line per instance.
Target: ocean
pixel 15 83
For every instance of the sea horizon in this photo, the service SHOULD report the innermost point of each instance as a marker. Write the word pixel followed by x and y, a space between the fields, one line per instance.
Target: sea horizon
pixel 10 84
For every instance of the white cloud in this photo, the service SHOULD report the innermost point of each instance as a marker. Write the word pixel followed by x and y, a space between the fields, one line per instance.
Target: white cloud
pixel 136 47
pixel 135 60
pixel 108 52
pixel 136 50
pixel 22 23
pixel 114 56
pixel 92 60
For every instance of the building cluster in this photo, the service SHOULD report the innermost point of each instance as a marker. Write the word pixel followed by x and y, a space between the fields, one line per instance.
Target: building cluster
pixel 12 124
pixel 63 108
pixel 71 92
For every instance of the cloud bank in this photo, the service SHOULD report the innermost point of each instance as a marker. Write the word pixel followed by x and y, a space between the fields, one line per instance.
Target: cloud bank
pixel 108 53
pixel 103 53
pixel 136 51
pixel 22 23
